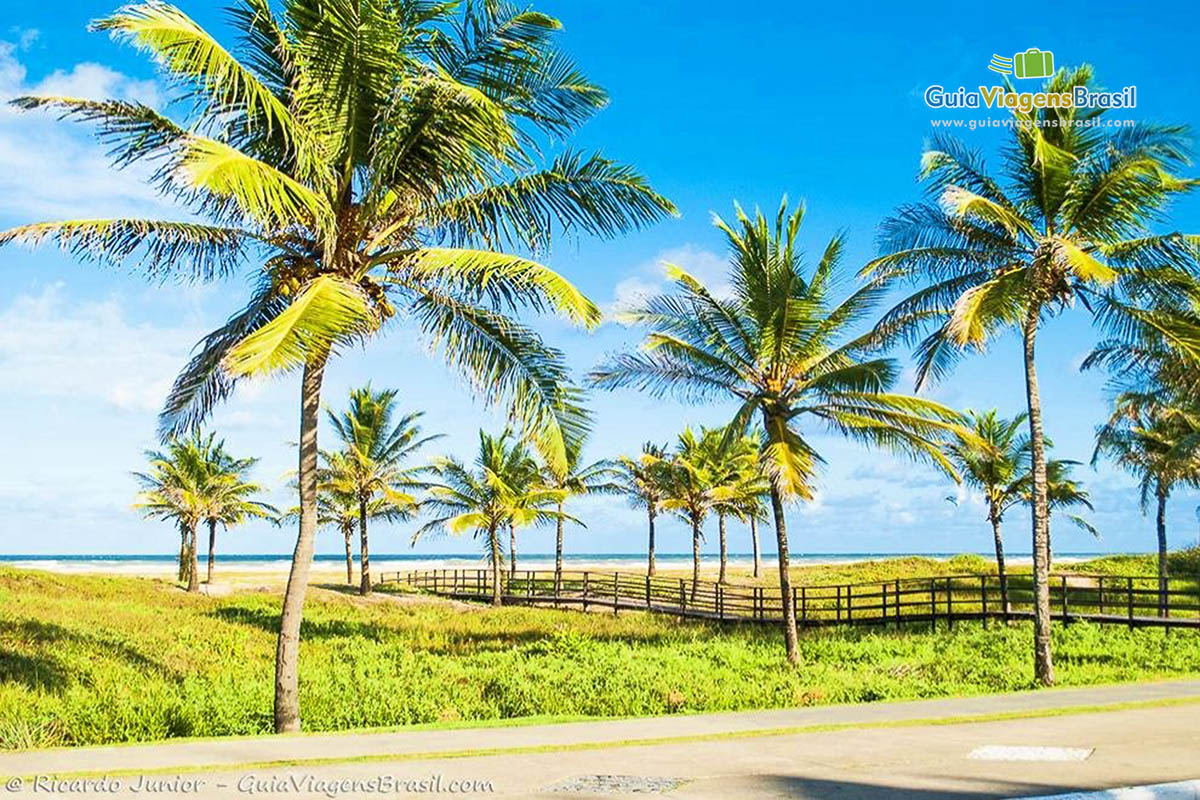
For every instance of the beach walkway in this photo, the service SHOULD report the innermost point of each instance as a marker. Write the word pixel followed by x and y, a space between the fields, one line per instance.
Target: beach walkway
pixel 1011 745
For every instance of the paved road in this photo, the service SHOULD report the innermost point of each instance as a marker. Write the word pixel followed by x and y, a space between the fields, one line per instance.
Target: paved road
pixel 898 754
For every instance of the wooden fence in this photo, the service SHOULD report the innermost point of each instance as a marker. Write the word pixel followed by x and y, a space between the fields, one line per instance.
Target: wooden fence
pixel 1099 598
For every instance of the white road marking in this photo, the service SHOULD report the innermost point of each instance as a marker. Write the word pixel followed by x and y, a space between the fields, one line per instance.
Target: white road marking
pixel 1000 752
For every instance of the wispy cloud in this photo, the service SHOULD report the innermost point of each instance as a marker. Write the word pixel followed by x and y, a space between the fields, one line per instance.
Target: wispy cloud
pixel 650 279
pixel 51 169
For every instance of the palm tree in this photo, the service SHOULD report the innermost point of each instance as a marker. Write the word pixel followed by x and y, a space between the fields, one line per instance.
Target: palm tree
pixel 993 461
pixel 751 489
pixel 484 499
pixel 1158 442
pixel 227 495
pixel 738 476
pixel 693 483
pixel 575 478
pixel 340 510
pixel 336 147
pixel 1071 219
pixel 371 465
pixel 779 347
pixel 171 490
pixel 642 480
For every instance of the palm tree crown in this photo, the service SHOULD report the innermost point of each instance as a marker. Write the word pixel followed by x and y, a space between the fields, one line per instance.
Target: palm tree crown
pixel 778 345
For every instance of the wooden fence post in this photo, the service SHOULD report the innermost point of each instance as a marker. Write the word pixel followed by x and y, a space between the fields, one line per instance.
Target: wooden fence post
pixel 983 598
pixel 585 590
pixel 1066 609
pixel 803 604
pixel 720 602
pixel 1129 598
pixel 933 604
pixel 616 593
pixel 849 604
pixel 897 602
pixel 682 597
pixel 949 604
pixel 883 603
pixel 1100 591
pixel 839 603
pixel 647 591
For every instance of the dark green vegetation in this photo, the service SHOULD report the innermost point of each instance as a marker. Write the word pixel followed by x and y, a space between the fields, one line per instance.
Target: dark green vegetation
pixel 87 660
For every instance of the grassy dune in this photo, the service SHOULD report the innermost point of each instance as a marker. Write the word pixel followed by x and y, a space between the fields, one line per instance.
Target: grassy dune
pixel 87 660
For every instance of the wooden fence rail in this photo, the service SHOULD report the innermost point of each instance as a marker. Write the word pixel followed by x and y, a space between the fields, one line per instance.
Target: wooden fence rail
pixel 1100 598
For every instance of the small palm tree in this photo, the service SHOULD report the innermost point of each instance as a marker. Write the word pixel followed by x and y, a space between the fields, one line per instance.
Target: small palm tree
pixel 483 499
pixel 750 493
pixel 995 461
pixel 1071 220
pixel 694 485
pixel 576 478
pixel 372 463
pixel 642 480
pixel 228 496
pixel 171 490
pixel 738 477
pixel 196 481
pixel 1159 443
pixel 369 159
pixel 780 348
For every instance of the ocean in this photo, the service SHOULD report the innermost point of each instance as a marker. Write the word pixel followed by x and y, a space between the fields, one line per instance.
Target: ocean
pixel 390 562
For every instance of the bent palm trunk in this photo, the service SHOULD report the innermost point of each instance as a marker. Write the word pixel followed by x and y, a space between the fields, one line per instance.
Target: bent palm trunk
pixel 650 566
pixel 287 650
pixel 1160 520
pixel 1043 661
pixel 724 549
pixel 212 545
pixel 1000 564
pixel 364 555
pixel 754 545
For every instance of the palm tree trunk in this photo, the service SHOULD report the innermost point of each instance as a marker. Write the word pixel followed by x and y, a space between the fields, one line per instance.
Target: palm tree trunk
pixel 512 549
pixel 695 557
pixel 724 549
pixel 558 551
pixel 650 566
pixel 364 554
pixel 754 544
pixel 1000 563
pixel 1043 660
pixel 1160 521
pixel 287 650
pixel 212 546
pixel 348 535
pixel 494 541
pixel 193 562
pixel 785 579
pixel 183 553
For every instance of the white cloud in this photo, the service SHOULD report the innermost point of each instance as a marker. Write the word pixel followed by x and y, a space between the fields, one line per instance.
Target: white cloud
pixel 649 279
pixel 51 347
pixel 54 169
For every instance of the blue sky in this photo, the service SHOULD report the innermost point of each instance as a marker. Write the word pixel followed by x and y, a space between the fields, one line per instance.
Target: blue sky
pixel 713 105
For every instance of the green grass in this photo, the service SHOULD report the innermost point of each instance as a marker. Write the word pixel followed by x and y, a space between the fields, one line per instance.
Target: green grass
pixel 87 660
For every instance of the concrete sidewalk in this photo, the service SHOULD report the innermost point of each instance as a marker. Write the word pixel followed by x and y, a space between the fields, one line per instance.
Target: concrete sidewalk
pixel 218 754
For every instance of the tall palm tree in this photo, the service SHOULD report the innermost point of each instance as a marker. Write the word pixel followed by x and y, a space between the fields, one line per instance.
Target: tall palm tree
pixel 372 463
pixel 1159 443
pixel 1071 219
pixel 484 499
pixel 574 478
pixel 693 485
pixel 368 158
pixel 642 480
pixel 779 347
